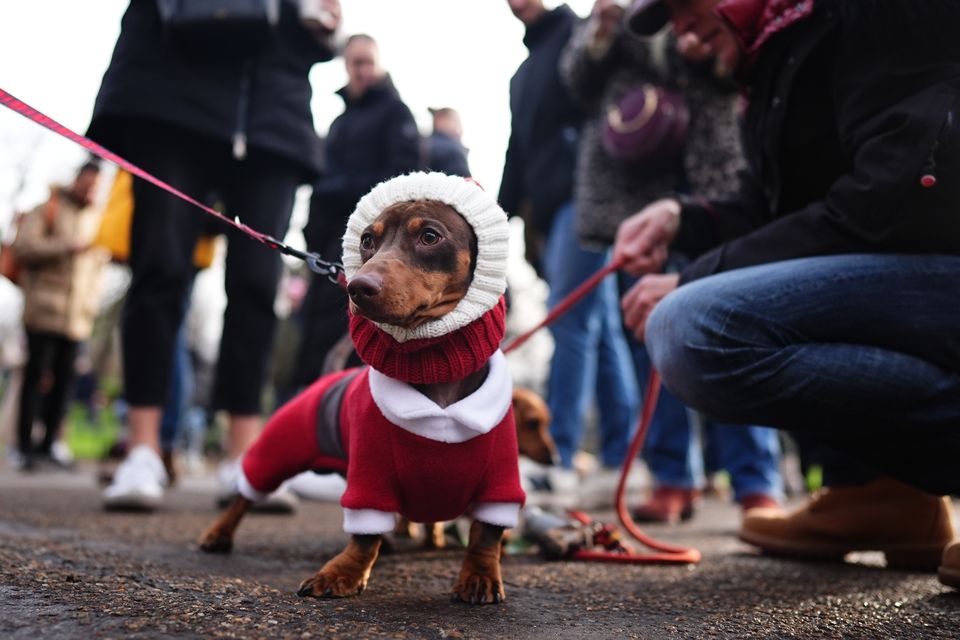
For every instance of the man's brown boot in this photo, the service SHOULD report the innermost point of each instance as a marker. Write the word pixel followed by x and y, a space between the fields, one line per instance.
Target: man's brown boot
pixel 909 526
pixel 950 566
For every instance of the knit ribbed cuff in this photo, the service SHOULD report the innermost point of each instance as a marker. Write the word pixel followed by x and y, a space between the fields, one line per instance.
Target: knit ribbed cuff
pixel 451 357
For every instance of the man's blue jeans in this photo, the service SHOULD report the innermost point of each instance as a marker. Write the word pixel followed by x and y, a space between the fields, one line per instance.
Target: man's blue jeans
pixel 862 352
pixel 590 354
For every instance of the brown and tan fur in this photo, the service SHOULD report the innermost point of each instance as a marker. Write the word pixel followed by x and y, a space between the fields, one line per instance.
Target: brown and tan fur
pixel 418 260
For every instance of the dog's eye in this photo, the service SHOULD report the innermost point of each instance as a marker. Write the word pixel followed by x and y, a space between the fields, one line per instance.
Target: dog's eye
pixel 429 237
pixel 366 242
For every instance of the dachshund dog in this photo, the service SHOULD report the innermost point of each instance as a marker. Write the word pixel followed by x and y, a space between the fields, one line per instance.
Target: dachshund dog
pixel 418 259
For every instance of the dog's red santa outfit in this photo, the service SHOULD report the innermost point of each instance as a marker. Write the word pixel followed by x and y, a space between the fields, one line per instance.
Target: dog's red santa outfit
pixel 400 451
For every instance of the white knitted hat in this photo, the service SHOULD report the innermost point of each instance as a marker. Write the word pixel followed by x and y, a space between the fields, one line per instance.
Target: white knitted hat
pixel 481 212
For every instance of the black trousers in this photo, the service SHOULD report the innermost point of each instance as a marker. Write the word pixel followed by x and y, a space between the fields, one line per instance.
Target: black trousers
pixel 53 354
pixel 259 190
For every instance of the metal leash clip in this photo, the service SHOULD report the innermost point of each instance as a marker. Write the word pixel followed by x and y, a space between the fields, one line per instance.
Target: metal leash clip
pixel 332 270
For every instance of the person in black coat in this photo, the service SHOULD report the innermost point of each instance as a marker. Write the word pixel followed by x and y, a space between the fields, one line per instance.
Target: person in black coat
pixel 374 139
pixel 445 152
pixel 227 121
pixel 544 127
pixel 827 295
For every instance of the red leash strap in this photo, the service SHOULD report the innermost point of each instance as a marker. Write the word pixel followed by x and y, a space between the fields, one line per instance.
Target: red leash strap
pixel 665 553
pixel 333 271
pixel 564 305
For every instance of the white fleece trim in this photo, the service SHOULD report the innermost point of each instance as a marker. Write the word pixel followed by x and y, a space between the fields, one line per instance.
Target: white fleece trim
pixel 472 416
pixel 481 212
pixel 368 521
pixel 501 514
pixel 246 489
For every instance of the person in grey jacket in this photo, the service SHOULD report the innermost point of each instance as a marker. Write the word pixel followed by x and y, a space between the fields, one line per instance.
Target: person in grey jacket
pixel 601 64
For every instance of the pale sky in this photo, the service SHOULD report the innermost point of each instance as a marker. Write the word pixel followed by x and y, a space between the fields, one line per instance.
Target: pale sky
pixel 458 53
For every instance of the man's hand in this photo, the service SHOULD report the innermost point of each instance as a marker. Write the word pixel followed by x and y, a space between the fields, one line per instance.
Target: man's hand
pixel 640 300
pixel 643 240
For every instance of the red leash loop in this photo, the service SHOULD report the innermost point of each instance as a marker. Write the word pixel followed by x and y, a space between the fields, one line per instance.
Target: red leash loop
pixel 333 271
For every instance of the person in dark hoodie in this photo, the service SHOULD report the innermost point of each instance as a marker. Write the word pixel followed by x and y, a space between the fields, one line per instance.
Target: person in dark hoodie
pixel 223 117
pixel 591 357
pixel 375 138
pixel 445 151
pixel 828 300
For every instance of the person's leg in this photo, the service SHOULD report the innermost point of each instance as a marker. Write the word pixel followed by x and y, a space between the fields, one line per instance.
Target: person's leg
pixel 323 317
pixel 618 396
pixel 672 452
pixel 38 346
pixel 164 232
pixel 163 236
pixel 259 191
pixel 58 398
pixel 861 351
pixel 573 368
pixel 751 455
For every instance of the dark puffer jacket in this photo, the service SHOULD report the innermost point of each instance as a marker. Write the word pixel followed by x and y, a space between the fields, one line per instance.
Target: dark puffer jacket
pixel 852 139
pixel 545 124
pixel 608 190
pixel 375 138
pixel 264 98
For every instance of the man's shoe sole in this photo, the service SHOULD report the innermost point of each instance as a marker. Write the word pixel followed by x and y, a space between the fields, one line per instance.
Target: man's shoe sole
pixel 950 576
pixel 898 556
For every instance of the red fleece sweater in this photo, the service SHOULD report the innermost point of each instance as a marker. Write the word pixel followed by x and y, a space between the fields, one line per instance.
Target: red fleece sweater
pixel 387 467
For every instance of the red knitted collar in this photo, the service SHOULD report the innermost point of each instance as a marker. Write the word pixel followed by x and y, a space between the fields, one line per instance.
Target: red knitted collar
pixel 431 360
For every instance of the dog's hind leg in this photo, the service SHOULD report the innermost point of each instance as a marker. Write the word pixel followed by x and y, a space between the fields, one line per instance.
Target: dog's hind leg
pixel 347 573
pixel 218 538
pixel 480 581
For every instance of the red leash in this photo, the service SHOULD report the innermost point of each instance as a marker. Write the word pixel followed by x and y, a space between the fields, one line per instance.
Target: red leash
pixel 333 271
pixel 664 553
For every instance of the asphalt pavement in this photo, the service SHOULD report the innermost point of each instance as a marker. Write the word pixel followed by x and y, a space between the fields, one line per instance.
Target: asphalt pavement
pixel 69 570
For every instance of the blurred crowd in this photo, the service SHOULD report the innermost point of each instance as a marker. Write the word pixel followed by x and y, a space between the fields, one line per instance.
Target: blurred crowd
pixel 624 122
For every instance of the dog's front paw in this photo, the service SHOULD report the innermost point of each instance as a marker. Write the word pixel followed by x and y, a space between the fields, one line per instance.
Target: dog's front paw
pixel 215 541
pixel 346 574
pixel 479 588
pixel 330 584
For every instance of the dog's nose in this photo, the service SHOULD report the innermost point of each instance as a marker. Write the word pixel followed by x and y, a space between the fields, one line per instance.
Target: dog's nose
pixel 365 286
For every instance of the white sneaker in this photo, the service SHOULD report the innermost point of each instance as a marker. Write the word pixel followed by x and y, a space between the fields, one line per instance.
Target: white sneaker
pixel 283 500
pixel 560 490
pixel 138 482
pixel 327 487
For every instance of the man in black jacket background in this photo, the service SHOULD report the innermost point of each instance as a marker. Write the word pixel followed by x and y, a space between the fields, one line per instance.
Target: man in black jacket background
pixel 375 138
pixel 828 300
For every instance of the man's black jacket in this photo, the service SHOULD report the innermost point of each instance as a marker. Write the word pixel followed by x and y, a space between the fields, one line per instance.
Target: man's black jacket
pixel 263 97
pixel 375 138
pixel 545 124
